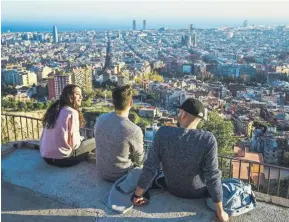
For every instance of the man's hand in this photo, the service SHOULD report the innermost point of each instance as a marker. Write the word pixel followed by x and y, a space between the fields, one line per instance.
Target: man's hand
pixel 139 201
pixel 222 216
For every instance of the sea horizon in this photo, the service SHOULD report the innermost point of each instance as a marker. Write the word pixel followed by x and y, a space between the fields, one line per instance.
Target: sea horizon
pixel 15 26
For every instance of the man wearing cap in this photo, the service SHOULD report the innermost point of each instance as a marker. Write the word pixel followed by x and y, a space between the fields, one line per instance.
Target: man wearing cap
pixel 189 159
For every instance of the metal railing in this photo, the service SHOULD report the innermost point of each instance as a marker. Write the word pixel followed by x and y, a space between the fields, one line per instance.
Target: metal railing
pixel 18 127
pixel 264 178
pixel 261 176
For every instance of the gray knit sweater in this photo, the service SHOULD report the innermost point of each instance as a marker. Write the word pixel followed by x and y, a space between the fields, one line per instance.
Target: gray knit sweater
pixel 119 146
pixel 189 160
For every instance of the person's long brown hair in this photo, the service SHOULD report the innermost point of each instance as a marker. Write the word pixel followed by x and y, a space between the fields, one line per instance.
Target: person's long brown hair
pixel 66 99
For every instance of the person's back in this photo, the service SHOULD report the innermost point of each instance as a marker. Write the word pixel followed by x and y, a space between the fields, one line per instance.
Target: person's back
pixel 119 145
pixel 183 154
pixel 188 157
pixel 119 142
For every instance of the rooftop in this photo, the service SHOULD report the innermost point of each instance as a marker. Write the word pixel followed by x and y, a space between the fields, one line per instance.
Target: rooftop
pixel 40 192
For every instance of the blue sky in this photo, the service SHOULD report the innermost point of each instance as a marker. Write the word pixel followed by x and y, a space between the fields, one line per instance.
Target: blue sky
pixel 157 12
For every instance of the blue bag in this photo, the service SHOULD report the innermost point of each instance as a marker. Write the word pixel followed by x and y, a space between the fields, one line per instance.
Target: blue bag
pixel 238 197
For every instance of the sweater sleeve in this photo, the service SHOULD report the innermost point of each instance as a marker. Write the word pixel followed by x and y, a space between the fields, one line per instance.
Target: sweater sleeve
pixel 151 165
pixel 211 172
pixel 74 130
pixel 137 149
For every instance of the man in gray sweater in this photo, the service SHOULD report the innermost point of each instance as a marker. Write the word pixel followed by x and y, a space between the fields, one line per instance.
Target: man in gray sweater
pixel 189 159
pixel 119 142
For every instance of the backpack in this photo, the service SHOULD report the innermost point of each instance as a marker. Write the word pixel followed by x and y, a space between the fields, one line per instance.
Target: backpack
pixel 238 197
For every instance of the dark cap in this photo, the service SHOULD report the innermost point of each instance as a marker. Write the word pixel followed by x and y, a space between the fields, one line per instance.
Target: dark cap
pixel 194 107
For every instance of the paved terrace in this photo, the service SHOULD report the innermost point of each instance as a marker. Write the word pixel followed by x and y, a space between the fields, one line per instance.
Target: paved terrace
pixel 35 191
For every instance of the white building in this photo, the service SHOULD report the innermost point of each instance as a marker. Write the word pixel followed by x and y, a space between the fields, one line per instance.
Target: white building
pixel 148 112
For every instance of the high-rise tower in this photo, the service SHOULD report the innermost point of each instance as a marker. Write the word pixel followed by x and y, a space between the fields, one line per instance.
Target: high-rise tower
pixel 134 25
pixel 144 24
pixel 55 34
pixel 194 39
pixel 191 27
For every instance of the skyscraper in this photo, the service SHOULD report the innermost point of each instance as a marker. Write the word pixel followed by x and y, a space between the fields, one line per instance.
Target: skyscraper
pixel 194 39
pixel 144 24
pixel 55 34
pixel 191 27
pixel 134 25
pixel 187 40
pixel 245 23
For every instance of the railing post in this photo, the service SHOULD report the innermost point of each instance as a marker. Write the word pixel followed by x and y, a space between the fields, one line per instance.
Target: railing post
pixel 27 128
pixel 231 174
pixel 21 127
pixel 239 168
pixel 32 129
pixel 268 184
pixel 14 128
pixel 249 173
pixel 38 129
pixel 258 183
pixel 278 188
pixel 7 128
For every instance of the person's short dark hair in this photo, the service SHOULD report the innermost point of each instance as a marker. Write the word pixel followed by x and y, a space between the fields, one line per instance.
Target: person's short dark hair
pixel 121 97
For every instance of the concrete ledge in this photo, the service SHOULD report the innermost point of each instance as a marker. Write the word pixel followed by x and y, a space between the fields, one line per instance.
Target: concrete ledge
pixel 279 201
pixel 6 149
pixel 30 143
pixel 263 197
pixel 81 188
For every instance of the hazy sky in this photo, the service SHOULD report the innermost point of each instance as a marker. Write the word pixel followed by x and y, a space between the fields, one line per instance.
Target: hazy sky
pixel 66 11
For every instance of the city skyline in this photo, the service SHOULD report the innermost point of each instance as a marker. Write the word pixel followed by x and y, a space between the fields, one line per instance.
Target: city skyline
pixel 119 14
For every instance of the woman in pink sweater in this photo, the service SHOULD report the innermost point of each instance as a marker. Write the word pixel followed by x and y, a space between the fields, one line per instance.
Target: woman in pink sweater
pixel 61 144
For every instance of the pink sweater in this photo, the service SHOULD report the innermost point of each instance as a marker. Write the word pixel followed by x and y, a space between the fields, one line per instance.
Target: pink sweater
pixel 65 134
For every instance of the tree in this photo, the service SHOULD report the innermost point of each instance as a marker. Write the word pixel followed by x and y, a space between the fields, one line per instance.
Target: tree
pixel 135 92
pixel 5 103
pixel 48 104
pixel 8 90
pixel 13 104
pixel 38 105
pixel 87 103
pixel 222 129
pixel 22 106
pixel 30 105
pixel 152 76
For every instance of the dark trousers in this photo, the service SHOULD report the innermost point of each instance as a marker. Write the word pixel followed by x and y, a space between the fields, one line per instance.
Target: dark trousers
pixel 77 156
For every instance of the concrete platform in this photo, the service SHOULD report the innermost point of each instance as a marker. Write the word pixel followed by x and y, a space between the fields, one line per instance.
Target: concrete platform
pixel 35 191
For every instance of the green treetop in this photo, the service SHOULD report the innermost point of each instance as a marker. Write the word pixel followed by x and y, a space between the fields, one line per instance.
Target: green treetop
pixel 222 129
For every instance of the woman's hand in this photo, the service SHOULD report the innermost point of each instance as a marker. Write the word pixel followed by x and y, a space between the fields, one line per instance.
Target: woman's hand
pixel 65 151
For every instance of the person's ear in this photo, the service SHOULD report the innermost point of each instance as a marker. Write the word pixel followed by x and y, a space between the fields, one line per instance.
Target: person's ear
pixel 131 102
pixel 183 114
